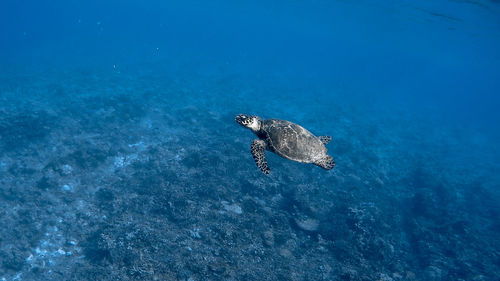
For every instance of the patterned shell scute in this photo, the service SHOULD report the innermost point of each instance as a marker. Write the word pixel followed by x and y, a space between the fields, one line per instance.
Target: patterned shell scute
pixel 293 141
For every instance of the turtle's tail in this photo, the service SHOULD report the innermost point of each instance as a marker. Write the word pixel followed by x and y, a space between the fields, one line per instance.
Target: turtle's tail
pixel 326 163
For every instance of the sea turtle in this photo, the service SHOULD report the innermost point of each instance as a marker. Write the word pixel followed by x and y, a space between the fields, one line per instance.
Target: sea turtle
pixel 286 139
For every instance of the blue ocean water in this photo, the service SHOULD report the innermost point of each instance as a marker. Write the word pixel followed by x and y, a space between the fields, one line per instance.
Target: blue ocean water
pixel 120 158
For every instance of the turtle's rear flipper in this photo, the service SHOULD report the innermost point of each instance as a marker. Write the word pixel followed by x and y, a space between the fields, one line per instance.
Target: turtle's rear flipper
pixel 259 155
pixel 325 139
pixel 326 163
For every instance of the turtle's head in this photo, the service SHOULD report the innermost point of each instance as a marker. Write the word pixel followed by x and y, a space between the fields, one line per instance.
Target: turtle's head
pixel 251 122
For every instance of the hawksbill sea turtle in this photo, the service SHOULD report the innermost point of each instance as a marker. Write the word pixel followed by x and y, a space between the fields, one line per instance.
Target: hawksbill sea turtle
pixel 286 139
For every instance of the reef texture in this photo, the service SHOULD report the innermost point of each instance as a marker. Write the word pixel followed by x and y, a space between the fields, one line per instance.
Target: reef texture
pixel 146 176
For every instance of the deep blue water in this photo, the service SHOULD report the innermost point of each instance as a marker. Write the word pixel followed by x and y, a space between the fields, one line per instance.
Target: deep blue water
pixel 120 158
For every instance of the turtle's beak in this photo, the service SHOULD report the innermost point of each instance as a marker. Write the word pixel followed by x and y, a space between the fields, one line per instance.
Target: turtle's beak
pixel 241 118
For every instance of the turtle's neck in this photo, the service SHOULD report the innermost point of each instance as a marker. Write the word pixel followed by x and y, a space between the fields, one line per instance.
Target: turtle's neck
pixel 261 134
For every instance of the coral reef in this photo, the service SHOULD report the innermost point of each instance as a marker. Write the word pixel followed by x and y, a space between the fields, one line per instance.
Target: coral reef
pixel 145 176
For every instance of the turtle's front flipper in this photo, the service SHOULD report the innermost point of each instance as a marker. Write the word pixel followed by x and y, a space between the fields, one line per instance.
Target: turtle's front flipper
pixel 259 155
pixel 326 163
pixel 325 139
